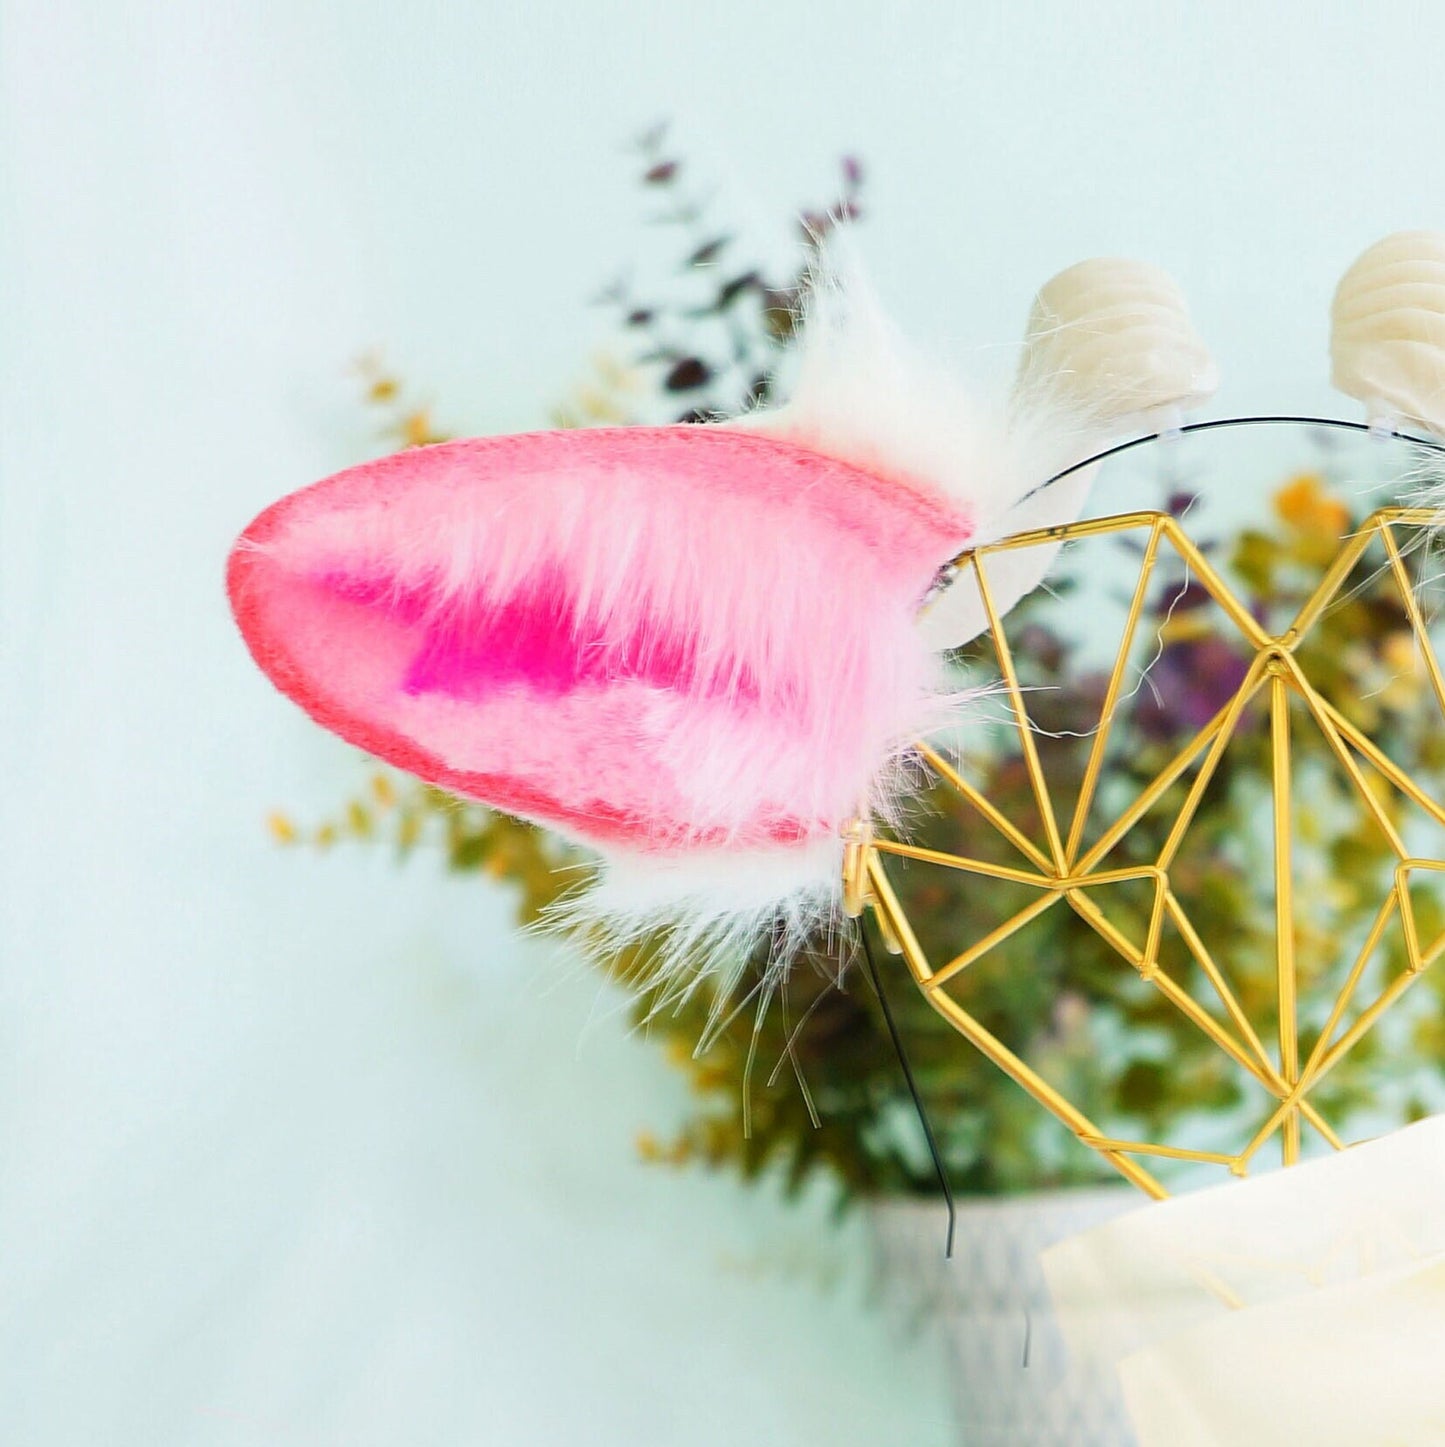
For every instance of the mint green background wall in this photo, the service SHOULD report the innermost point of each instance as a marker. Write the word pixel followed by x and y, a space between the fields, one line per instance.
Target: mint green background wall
pixel 298 1149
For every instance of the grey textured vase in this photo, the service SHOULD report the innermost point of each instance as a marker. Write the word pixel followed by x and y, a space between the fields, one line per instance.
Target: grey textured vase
pixel 1012 1382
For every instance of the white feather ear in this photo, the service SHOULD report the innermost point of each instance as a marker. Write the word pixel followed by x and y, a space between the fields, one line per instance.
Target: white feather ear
pixel 1387 330
pixel 1109 344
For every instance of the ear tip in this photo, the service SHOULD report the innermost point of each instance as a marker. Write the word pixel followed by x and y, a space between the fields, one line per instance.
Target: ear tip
pixel 1110 273
pixel 1405 244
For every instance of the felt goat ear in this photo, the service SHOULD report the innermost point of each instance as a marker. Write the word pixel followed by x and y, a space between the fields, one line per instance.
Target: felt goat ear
pixel 1114 335
pixel 694 648
pixel 1387 333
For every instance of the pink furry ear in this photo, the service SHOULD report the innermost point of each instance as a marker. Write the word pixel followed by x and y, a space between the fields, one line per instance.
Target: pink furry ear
pixel 696 649
pixel 658 638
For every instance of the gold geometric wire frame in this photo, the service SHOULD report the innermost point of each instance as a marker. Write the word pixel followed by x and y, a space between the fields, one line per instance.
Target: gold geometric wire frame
pixel 1064 870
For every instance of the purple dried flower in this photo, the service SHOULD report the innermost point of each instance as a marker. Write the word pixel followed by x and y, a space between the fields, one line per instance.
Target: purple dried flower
pixel 1191 681
pixel 689 373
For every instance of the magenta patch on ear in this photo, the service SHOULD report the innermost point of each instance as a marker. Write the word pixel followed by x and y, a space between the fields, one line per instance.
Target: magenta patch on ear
pixel 667 637
pixel 534 640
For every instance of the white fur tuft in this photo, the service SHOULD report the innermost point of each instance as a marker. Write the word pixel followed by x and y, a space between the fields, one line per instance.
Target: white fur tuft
pixel 705 913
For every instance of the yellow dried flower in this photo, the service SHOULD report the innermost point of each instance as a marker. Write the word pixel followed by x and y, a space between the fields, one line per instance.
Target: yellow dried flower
pixel 597 406
pixel 1184 627
pixel 1304 505
pixel 1400 651
pixel 711 1075
pixel 282 830
pixel 383 790
pixel 416 428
